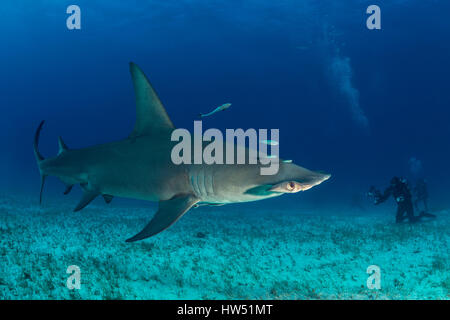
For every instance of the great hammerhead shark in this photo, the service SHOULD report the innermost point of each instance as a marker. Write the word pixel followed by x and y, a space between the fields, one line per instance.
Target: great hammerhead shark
pixel 140 167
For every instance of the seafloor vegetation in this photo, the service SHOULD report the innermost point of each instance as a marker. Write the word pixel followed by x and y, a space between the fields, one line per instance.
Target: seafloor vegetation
pixel 219 253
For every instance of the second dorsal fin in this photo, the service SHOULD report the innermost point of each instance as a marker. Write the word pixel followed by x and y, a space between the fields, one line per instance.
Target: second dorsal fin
pixel 62 146
pixel 151 116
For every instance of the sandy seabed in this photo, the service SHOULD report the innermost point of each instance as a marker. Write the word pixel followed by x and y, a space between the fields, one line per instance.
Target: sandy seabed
pixel 219 253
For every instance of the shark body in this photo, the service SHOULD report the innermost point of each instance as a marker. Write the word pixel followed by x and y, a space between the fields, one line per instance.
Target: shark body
pixel 140 167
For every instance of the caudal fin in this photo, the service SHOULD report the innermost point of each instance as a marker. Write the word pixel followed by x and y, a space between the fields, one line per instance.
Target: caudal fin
pixel 39 157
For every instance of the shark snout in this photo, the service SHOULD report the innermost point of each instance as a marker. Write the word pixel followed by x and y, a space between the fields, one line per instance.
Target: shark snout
pixel 313 180
pixel 325 177
pixel 320 177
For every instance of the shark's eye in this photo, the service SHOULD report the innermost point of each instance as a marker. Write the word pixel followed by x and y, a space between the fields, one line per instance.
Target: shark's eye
pixel 290 186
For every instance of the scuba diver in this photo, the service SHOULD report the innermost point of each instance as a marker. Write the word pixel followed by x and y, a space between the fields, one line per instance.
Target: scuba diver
pixel 402 195
pixel 421 193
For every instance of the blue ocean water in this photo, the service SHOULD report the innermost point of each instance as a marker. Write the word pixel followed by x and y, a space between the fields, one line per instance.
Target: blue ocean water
pixel 362 104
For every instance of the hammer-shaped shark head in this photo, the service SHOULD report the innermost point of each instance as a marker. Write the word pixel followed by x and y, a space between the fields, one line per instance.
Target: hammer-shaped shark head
pixel 290 178
pixel 305 183
pixel 246 183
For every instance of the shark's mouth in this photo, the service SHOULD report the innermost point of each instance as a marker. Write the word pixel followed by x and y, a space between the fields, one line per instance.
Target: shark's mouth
pixel 262 191
pixel 290 186
pixel 278 188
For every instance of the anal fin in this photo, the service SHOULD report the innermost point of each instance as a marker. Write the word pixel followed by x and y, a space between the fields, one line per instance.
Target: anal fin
pixel 108 198
pixel 168 213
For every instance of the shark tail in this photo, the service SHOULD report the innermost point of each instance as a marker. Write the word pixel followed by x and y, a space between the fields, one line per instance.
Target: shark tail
pixel 39 158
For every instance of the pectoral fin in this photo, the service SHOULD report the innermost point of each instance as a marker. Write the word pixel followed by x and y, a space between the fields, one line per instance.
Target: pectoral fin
pixel 168 213
pixel 68 189
pixel 88 196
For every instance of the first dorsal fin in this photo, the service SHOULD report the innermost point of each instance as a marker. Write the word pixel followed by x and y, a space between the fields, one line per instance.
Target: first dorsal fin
pixel 62 146
pixel 150 113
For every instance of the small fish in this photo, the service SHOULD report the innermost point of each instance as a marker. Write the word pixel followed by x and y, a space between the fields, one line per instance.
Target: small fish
pixel 287 161
pixel 270 142
pixel 219 108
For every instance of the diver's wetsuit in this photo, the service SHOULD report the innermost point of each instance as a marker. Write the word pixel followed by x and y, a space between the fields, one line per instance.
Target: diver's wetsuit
pixel 400 191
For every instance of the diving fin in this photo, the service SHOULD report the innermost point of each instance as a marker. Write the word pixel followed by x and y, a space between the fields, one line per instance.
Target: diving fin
pixel 426 214
pixel 168 213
